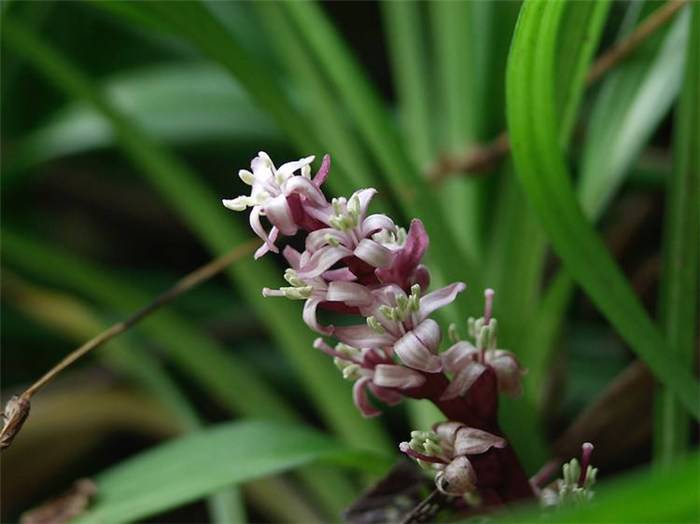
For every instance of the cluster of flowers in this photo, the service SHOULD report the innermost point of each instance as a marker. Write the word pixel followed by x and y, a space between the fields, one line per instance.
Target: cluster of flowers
pixel 365 266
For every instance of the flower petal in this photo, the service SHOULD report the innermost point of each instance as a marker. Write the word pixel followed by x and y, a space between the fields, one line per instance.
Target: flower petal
pixel 463 380
pixel 447 431
pixel 323 171
pixel 388 396
pixel 288 169
pixel 375 223
pixel 279 214
pixel 319 238
pixel 407 258
pixel 392 376
pixel 254 220
pixel 342 274
pixel 292 256
pixel 322 260
pixel 351 293
pixel 457 356
pixel 373 253
pixel 439 298
pixel 362 336
pixel 304 186
pixel 414 354
pixel 472 441
pixel 428 332
pixel 359 395
pixel 508 371
pixel 309 316
pixel 457 478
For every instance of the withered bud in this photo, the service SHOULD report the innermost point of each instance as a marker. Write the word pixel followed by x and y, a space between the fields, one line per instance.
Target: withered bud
pixel 13 417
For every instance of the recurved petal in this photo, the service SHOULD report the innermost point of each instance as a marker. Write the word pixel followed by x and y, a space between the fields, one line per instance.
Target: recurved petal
pixel 359 395
pixel 254 220
pixel 463 380
pixel 320 238
pixel 305 187
pixel 373 253
pixel 508 371
pixel 457 478
pixel 322 260
pixel 288 169
pixel 279 214
pixel 362 336
pixel 414 354
pixel 309 316
pixel 439 298
pixel 375 223
pixel 351 293
pixel 388 396
pixel 472 441
pixel 457 356
pixel 392 376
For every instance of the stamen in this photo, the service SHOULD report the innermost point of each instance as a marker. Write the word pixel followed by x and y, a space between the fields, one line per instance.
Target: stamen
pixel 586 452
pixel 488 305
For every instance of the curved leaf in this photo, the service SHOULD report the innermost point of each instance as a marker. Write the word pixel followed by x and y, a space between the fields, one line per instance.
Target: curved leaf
pixel 541 168
pixel 190 467
pixel 632 103
pixel 178 104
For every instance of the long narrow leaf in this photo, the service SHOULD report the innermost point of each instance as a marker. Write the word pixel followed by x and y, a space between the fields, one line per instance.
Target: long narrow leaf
pixel 541 167
pixel 188 468
pixel 679 283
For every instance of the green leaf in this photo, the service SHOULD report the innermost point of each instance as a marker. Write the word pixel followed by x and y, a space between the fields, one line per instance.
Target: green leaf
pixel 351 168
pixel 679 281
pixel 630 106
pixel 180 104
pixel 404 27
pixel 190 467
pixel 541 167
pixel 642 496
pixel 582 27
pixel 455 76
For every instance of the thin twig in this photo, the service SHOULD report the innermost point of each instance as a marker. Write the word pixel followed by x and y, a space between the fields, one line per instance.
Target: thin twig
pixel 482 159
pixel 17 408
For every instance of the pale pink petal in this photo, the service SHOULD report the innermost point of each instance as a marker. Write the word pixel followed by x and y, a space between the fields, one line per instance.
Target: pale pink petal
pixel 342 274
pixel 457 478
pixel 457 356
pixel 309 316
pixel 463 380
pixel 472 441
pixel 373 253
pixel 359 395
pixel 279 214
pixel 323 171
pixel 304 186
pixel 257 227
pixel 320 344
pixel 288 169
pixel 362 336
pixel 508 371
pixel 429 333
pixel 274 233
pixel 319 238
pixel 322 260
pixel 375 223
pixel 447 431
pixel 414 354
pixel 292 256
pixel 351 293
pixel 261 166
pixel 365 197
pixel 388 396
pixel 439 298
pixel 392 376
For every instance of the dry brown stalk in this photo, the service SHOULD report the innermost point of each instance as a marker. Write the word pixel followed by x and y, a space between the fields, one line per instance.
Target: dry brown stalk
pixel 17 409
pixel 482 159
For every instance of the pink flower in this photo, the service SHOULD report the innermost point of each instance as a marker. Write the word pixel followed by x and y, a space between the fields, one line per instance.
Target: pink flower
pixel 399 323
pixel 372 370
pixel 280 195
pixel 445 451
